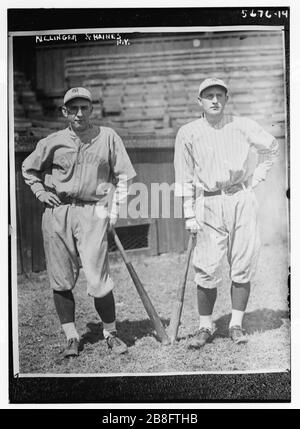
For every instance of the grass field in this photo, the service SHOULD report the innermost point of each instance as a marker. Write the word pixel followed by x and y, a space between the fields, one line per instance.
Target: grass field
pixel 41 340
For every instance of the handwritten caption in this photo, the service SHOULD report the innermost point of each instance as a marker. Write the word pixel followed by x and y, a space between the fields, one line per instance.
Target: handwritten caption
pixel 88 37
pixel 260 13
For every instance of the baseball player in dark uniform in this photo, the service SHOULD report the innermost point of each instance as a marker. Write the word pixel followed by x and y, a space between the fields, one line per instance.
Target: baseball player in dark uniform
pixel 81 174
pixel 215 175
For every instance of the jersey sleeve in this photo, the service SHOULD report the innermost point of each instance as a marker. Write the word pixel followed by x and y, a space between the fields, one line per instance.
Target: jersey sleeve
pixel 267 148
pixel 122 173
pixel 184 166
pixel 35 165
pixel 120 164
pixel 261 140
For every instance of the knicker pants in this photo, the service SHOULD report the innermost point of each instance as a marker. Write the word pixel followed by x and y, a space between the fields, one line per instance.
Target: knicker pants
pixel 229 227
pixel 71 228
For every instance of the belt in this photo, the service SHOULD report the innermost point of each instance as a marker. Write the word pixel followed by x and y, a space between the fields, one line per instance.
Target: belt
pixel 227 191
pixel 76 201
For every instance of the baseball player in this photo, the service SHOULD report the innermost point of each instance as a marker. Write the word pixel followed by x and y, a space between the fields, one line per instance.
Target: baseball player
pixel 81 174
pixel 219 159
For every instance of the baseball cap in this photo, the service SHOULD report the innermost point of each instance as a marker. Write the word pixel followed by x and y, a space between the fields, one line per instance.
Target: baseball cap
pixel 78 92
pixel 212 81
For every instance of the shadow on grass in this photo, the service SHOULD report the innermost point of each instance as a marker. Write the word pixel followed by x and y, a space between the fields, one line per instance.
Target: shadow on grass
pixel 128 330
pixel 256 321
pixel 131 330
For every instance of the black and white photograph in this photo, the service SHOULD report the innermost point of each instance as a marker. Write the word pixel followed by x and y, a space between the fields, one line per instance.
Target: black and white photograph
pixel 149 200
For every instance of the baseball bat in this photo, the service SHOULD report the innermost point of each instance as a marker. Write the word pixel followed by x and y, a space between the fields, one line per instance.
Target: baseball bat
pixel 177 307
pixel 158 326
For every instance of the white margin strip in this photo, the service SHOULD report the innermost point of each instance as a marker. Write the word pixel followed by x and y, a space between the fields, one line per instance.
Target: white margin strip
pixel 13 206
pixel 161 374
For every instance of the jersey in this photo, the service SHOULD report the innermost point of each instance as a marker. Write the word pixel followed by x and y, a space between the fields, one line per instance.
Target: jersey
pixel 216 157
pixel 78 168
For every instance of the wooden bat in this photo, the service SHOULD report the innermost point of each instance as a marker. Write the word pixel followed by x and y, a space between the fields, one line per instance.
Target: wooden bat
pixel 158 326
pixel 177 308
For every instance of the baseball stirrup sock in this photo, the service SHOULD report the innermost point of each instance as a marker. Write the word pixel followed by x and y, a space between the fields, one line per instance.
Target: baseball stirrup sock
pixel 65 306
pixel 105 307
pixel 239 295
pixel 206 300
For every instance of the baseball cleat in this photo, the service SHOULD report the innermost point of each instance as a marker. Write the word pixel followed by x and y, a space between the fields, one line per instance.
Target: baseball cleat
pixel 115 344
pixel 203 336
pixel 237 334
pixel 72 348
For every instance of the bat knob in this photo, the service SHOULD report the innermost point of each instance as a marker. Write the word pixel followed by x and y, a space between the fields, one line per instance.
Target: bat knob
pixel 173 341
pixel 166 342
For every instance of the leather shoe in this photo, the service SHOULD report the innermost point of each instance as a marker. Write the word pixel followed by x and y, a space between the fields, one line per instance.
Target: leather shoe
pixel 72 348
pixel 237 334
pixel 202 336
pixel 115 344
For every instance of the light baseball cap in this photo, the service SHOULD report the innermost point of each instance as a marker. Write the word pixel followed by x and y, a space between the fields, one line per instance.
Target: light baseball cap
pixel 212 81
pixel 77 93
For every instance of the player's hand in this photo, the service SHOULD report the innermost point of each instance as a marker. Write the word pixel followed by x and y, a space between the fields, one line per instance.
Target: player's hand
pixel 49 198
pixel 192 225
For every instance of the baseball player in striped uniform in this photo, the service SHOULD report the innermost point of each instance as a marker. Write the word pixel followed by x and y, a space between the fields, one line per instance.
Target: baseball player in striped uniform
pixel 219 159
pixel 81 174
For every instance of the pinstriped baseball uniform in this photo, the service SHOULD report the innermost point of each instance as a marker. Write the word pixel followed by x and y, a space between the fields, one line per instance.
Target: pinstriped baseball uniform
pixel 82 169
pixel 210 158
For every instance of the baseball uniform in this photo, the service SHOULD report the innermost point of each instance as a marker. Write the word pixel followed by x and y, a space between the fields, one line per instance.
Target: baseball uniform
pixel 216 168
pixel 81 172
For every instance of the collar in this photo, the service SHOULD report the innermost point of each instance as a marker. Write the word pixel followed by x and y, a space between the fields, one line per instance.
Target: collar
pixel 218 125
pixel 85 136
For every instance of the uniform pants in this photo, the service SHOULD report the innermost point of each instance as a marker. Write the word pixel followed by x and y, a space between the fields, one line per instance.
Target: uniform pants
pixel 70 228
pixel 229 228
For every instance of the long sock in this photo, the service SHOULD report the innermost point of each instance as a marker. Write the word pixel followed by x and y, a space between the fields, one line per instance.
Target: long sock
pixel 206 322
pixel 236 318
pixel 106 309
pixel 206 301
pixel 70 330
pixel 65 307
pixel 108 328
pixel 239 298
